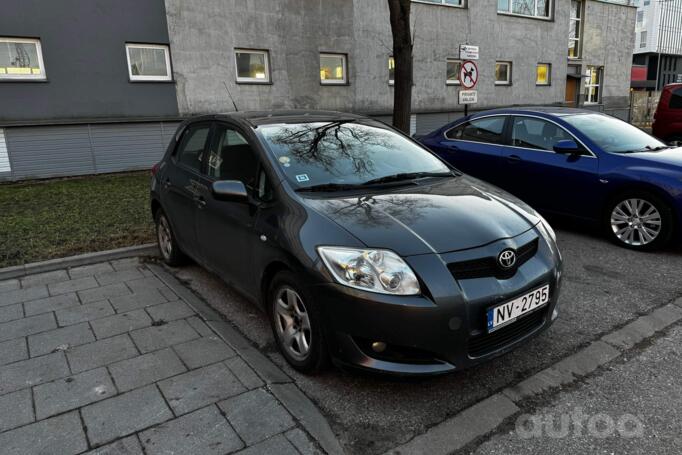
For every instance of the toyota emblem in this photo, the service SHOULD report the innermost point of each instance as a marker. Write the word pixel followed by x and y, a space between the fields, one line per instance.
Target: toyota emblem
pixel 507 259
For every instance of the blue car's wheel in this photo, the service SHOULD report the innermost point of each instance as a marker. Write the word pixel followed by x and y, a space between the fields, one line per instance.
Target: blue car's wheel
pixel 639 220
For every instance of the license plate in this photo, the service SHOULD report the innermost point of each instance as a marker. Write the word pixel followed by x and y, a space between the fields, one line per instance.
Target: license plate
pixel 509 312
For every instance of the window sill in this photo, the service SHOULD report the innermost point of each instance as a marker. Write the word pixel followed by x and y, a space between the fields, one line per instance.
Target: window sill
pixel 535 18
pixel 455 84
pixel 150 81
pixel 439 4
pixel 253 82
pixel 503 84
pixel 17 79
pixel 334 84
pixel 543 85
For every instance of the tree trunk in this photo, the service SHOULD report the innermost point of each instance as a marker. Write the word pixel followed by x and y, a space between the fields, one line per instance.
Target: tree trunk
pixel 402 56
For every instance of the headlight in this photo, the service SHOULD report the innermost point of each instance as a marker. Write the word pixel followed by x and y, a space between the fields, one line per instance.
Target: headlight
pixel 370 270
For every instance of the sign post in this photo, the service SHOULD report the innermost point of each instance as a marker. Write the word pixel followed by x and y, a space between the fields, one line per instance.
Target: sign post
pixel 468 78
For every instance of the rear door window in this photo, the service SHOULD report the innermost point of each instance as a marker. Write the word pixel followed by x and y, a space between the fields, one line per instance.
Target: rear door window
pixel 535 133
pixel 190 151
pixel 489 130
pixel 676 99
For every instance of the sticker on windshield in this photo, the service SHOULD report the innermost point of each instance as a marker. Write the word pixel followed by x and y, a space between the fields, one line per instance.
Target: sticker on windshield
pixel 285 161
pixel 302 178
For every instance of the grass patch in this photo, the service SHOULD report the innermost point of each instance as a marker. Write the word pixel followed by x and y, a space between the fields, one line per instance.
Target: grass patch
pixel 48 219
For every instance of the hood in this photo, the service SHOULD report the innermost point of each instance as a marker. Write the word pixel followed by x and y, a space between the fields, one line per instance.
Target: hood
pixel 671 158
pixel 452 214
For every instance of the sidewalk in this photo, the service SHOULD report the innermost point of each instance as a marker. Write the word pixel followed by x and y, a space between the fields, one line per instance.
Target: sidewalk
pixel 109 357
pixel 633 407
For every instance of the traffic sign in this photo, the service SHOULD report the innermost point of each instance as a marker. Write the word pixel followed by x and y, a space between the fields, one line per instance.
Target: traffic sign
pixel 467 52
pixel 468 74
pixel 468 97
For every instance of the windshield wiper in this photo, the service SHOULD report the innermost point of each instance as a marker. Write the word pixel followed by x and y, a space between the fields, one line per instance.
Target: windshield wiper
pixel 656 149
pixel 330 187
pixel 648 148
pixel 407 176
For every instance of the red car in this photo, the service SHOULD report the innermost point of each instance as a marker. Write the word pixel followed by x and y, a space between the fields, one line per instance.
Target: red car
pixel 668 117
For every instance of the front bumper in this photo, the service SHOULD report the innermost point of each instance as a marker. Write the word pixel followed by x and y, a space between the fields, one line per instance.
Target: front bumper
pixel 444 329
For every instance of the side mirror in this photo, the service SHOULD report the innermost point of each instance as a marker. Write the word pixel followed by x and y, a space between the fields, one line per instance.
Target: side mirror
pixel 567 147
pixel 229 190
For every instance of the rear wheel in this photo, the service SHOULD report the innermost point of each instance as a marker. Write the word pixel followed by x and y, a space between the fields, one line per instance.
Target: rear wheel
pixel 168 246
pixel 639 221
pixel 296 324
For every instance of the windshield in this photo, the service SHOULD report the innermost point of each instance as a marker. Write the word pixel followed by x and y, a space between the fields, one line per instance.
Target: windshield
pixel 613 135
pixel 345 153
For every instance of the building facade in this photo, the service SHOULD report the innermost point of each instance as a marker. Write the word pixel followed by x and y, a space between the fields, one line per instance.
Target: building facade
pixel 657 58
pixel 111 79
pixel 68 104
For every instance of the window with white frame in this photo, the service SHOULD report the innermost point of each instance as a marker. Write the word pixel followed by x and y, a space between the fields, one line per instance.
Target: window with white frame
pixel 532 8
pixel 391 71
pixel 21 59
pixel 575 28
pixel 442 2
pixel 503 73
pixel 148 62
pixel 642 38
pixel 593 84
pixel 252 66
pixel 333 69
pixel 640 17
pixel 452 68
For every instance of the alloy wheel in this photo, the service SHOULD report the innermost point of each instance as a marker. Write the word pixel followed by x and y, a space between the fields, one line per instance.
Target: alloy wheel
pixel 292 323
pixel 164 236
pixel 636 222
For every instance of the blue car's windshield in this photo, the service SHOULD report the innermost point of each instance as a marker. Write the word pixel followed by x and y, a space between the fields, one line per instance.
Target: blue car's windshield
pixel 346 153
pixel 613 135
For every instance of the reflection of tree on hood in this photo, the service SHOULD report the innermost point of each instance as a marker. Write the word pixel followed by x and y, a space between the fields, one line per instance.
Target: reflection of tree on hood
pixel 361 210
pixel 323 145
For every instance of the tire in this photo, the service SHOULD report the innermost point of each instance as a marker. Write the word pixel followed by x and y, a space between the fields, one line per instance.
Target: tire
pixel 286 297
pixel 639 220
pixel 165 239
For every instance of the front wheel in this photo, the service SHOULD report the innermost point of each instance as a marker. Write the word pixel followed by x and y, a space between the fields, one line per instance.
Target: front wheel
pixel 296 324
pixel 639 221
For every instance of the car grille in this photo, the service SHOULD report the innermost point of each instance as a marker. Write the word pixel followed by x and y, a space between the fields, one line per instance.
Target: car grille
pixel 481 345
pixel 488 266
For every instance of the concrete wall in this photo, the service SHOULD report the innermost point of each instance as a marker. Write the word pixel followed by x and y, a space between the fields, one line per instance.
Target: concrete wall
pixel 204 33
pixel 83 45
pixel 609 36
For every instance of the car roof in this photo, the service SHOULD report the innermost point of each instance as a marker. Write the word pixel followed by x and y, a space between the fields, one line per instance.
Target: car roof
pixel 257 118
pixel 558 111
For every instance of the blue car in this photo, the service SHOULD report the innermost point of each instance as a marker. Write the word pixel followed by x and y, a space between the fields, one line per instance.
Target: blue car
pixel 573 162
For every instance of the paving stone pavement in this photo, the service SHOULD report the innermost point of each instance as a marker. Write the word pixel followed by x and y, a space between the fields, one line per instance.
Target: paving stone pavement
pixel 106 359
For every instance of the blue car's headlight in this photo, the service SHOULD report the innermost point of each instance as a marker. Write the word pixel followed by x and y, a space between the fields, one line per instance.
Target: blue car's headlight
pixel 371 270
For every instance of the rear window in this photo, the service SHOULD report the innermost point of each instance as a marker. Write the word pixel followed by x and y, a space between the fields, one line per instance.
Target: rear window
pixel 676 99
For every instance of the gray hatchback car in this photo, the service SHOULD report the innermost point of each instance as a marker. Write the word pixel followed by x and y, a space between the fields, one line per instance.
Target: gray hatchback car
pixel 361 245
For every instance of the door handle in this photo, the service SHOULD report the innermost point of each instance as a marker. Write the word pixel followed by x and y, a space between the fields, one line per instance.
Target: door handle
pixel 452 147
pixel 201 202
pixel 514 158
pixel 167 182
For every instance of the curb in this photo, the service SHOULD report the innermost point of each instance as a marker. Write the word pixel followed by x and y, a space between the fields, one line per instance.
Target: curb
pixel 487 415
pixel 18 271
pixel 281 385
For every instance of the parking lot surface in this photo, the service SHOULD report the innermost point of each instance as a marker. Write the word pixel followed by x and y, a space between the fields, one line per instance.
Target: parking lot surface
pixel 108 357
pixel 604 287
